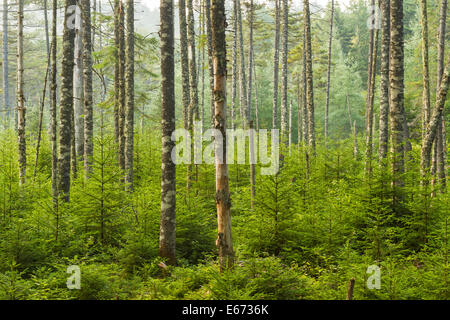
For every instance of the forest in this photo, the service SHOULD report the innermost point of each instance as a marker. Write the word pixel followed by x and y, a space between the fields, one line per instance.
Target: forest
pixel 224 150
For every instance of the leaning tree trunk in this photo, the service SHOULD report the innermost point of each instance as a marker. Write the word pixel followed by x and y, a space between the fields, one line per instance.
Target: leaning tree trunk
pixel 129 89
pixel 327 105
pixel 371 94
pixel 20 97
pixel 224 240
pixel 167 235
pixel 384 81
pixel 66 108
pixel 87 87
pixel 5 60
pixel 284 75
pixel 116 69
pixel 396 85
pixel 275 65
pixel 309 77
pixel 435 119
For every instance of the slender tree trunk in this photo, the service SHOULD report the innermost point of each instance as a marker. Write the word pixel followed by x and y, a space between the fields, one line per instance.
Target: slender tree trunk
pixel 66 108
pixel 224 240
pixel 329 72
pixel 184 62
pixel 210 64
pixel 305 134
pixel 121 85
pixel 275 65
pixel 78 79
pixel 5 60
pixel 256 95
pixel 396 85
pixel 167 236
pixel 53 120
pixel 116 70
pixel 21 110
pixel 129 87
pixel 87 88
pixel 425 68
pixel 242 76
pixel 250 61
pixel 284 74
pixel 309 78
pixel 441 141
pixel 234 69
pixel 384 81
pixel 371 93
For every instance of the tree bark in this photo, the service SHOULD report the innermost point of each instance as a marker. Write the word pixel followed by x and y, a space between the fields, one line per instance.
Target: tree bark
pixel 234 67
pixel 275 65
pixel 396 85
pixel 425 68
pixel 330 39
pixel 435 119
pixel 5 60
pixel 167 236
pixel 21 110
pixel 184 62
pixel 87 88
pixel 78 91
pixel 309 77
pixel 121 85
pixel 384 81
pixel 224 240
pixel 284 74
pixel 243 103
pixel 441 141
pixel 66 108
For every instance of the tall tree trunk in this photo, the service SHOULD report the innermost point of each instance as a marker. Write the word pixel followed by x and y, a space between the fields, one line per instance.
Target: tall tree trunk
pixel 184 61
pixel 21 110
pixel 87 87
pixel 275 65
pixel 193 105
pixel 396 85
pixel 441 141
pixel 129 87
pixel 224 240
pixel 305 135
pixel 242 76
pixel 78 79
pixel 167 236
pixel 234 69
pixel 284 74
pixel 384 81
pixel 256 95
pixel 121 85
pixel 329 72
pixel 66 109
pixel 5 60
pixel 250 60
pixel 210 64
pixel 53 120
pixel 309 77
pixel 425 68
pixel 116 70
